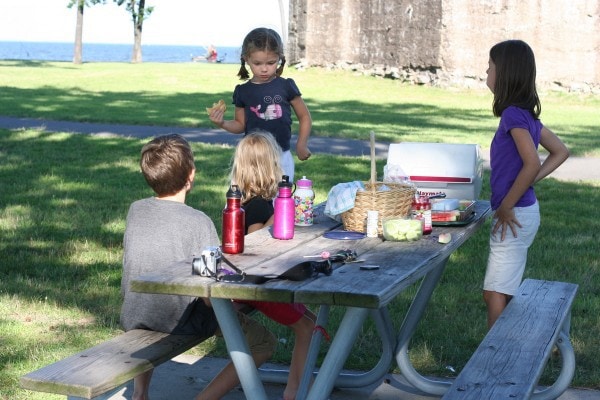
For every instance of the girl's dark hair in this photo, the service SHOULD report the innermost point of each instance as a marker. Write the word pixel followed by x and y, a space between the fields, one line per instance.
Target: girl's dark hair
pixel 515 77
pixel 261 39
pixel 166 163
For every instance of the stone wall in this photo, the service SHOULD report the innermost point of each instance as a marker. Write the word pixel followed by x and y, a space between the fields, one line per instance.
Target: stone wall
pixel 436 41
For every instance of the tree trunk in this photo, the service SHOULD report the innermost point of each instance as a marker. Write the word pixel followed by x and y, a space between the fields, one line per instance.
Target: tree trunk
pixel 77 51
pixel 136 56
pixel 138 22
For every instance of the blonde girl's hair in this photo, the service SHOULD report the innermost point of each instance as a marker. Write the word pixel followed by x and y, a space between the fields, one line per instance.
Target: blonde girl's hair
pixel 256 166
pixel 261 39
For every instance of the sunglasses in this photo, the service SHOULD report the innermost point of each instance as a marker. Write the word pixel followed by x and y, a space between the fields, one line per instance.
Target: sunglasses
pixel 345 256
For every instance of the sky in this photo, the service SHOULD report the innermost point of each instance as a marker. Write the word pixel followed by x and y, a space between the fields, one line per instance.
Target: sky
pixel 174 22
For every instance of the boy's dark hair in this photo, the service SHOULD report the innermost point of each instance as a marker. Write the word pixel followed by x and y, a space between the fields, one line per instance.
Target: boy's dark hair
pixel 261 39
pixel 166 163
pixel 515 77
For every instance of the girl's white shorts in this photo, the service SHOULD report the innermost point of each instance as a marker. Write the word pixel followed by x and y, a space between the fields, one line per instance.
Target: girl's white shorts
pixel 507 258
pixel 287 163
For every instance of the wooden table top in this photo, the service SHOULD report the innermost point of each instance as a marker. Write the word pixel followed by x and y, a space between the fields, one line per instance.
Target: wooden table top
pixel 400 265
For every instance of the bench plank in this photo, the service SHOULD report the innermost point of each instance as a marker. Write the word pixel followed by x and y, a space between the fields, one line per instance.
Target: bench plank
pixel 511 359
pixel 108 365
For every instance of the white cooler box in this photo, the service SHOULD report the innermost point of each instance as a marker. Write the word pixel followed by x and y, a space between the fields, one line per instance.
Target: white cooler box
pixel 455 170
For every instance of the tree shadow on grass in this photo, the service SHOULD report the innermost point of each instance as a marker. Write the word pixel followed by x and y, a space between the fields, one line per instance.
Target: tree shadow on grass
pixel 64 202
pixel 394 122
pixel 63 207
pixel 65 197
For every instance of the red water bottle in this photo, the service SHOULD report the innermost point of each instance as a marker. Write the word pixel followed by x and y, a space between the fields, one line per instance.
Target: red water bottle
pixel 283 214
pixel 233 228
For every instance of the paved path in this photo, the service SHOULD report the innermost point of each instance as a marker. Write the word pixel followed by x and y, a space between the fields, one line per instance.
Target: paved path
pixel 206 135
pixel 574 169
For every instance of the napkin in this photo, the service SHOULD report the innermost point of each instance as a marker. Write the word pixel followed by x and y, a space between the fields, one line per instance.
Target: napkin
pixel 341 198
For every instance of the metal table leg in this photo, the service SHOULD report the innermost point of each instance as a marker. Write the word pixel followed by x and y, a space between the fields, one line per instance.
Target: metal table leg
pixel 567 370
pixel 313 352
pixel 338 352
pixel 409 325
pixel 386 334
pixel 346 380
pixel 238 350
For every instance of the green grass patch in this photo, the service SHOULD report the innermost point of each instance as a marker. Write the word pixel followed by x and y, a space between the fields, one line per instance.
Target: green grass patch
pixel 64 198
pixel 342 103
pixel 64 201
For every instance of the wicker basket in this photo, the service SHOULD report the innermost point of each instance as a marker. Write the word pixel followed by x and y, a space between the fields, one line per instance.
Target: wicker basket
pixel 396 201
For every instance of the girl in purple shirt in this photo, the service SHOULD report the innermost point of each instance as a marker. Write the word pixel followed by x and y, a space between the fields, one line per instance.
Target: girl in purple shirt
pixel 515 168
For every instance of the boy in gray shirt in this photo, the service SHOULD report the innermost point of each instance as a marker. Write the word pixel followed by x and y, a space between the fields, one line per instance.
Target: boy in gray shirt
pixel 160 231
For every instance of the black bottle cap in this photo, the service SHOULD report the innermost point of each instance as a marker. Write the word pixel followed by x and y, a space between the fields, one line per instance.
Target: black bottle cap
pixel 285 182
pixel 234 192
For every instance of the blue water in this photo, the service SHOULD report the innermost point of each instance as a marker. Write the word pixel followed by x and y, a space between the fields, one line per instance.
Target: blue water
pixel 94 52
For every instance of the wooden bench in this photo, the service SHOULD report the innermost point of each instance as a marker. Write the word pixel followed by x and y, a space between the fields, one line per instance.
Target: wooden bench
pixel 511 358
pixel 100 371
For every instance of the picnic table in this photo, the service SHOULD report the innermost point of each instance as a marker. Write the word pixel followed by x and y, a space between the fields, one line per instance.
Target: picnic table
pixel 362 292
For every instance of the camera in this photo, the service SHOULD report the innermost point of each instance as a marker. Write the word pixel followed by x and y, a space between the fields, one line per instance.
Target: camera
pixel 208 263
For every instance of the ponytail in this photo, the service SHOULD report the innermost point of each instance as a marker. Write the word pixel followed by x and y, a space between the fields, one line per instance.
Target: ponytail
pixel 243 72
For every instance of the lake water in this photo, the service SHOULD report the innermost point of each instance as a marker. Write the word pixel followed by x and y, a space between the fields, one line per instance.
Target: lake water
pixel 95 52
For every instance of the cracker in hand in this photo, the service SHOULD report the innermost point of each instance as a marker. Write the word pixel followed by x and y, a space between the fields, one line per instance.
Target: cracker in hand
pixel 220 105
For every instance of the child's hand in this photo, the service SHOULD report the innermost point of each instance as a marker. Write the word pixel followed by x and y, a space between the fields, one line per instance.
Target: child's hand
pixel 217 117
pixel 303 152
pixel 505 220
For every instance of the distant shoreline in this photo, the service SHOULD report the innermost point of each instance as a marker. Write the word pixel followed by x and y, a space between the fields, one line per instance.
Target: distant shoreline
pixel 111 52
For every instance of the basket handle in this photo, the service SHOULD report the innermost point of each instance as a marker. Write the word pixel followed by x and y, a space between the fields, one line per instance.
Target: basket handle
pixel 373 165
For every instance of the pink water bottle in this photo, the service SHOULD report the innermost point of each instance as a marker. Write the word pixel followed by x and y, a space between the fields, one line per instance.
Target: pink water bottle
pixel 283 218
pixel 233 228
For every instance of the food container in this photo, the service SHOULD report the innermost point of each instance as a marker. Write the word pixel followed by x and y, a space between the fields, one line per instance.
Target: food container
pixel 444 204
pixel 399 229
pixel 461 213
pixel 454 170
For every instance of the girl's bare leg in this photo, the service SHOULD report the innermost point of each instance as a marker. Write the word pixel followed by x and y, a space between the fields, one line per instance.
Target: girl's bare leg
pixel 227 379
pixel 303 330
pixel 141 384
pixel 496 302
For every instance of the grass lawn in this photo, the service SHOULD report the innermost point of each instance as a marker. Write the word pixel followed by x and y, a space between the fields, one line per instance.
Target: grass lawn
pixel 64 198
pixel 342 104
